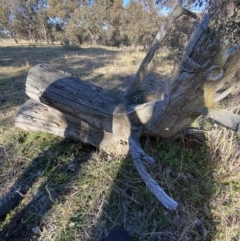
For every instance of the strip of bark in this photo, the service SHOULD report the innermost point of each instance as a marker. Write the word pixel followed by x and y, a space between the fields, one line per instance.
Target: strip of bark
pixel 138 155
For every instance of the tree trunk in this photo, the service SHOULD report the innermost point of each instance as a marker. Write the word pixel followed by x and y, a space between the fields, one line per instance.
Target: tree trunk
pixel 13 36
pixel 68 107
pixel 45 33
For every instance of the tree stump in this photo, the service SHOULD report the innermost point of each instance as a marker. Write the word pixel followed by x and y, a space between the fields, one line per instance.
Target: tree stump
pixel 69 107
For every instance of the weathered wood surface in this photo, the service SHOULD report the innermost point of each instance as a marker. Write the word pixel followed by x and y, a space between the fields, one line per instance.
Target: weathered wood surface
pixel 87 113
pixel 167 24
pixel 68 107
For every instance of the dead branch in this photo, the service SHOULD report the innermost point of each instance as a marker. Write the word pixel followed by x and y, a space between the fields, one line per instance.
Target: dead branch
pixel 167 24
pixel 225 118
pixel 227 92
pixel 138 155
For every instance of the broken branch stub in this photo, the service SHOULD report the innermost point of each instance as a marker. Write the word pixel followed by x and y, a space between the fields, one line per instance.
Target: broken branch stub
pixel 167 24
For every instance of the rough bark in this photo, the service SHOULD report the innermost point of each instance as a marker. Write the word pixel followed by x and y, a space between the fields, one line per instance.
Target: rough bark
pixel 65 106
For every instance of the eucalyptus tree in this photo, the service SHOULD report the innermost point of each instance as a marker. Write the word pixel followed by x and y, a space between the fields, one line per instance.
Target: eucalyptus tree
pixel 138 22
pixel 25 19
pixel 89 20
pixel 62 9
pixel 6 20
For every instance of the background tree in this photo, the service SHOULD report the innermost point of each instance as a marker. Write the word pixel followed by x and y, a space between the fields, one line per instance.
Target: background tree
pixel 89 20
pixel 27 19
pixel 140 22
pixel 6 20
pixel 75 34
pixel 115 24
pixel 115 16
pixel 62 9
pixel 226 21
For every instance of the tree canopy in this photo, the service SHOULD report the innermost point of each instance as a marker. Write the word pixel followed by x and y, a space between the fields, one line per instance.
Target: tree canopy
pixel 108 22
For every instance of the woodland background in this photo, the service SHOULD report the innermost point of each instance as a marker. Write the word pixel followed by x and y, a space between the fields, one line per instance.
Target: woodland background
pixel 109 22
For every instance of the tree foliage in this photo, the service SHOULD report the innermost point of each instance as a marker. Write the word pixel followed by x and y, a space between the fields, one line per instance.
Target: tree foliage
pixel 25 19
pixel 110 22
pixel 62 9
pixel 6 25
pixel 88 20
pixel 227 21
pixel 147 19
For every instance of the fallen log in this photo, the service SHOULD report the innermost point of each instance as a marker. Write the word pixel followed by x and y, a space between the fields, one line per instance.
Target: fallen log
pixel 69 107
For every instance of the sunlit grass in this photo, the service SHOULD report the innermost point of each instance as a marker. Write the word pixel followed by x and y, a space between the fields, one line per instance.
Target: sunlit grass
pixel 74 192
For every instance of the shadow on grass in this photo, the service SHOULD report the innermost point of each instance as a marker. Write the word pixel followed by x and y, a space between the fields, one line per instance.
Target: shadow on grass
pixel 120 200
pixel 49 178
pixel 183 170
pixel 17 56
pixel 15 62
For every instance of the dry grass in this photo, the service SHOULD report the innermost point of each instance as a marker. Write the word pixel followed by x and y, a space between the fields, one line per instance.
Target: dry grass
pixel 225 204
pixel 73 192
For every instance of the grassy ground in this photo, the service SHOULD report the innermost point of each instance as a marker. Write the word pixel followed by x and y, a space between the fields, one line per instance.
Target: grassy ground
pixel 74 192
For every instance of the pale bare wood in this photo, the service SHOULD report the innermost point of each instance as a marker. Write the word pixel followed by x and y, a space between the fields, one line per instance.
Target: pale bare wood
pixel 66 106
pixel 167 24
pixel 138 155
pixel 226 118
